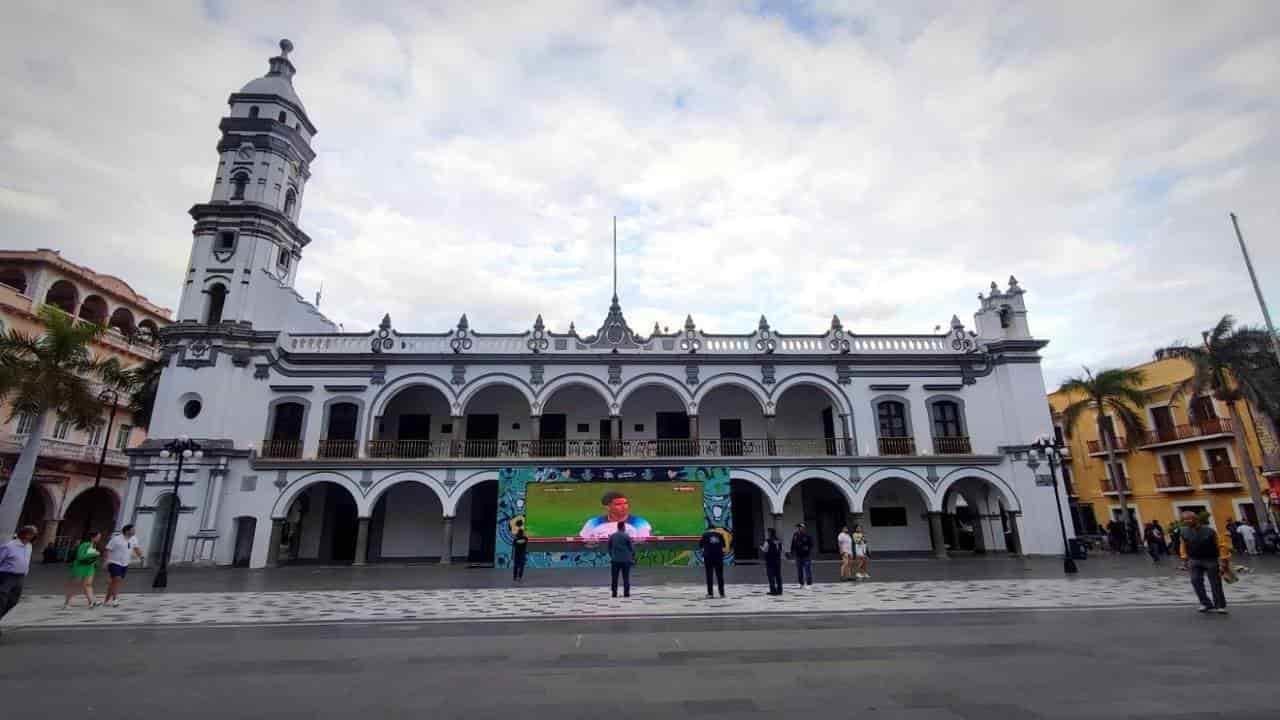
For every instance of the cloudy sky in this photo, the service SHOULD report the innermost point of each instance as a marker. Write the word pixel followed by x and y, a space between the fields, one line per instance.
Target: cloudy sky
pixel 883 161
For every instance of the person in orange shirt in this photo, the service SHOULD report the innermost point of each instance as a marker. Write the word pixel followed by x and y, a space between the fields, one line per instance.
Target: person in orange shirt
pixel 1208 554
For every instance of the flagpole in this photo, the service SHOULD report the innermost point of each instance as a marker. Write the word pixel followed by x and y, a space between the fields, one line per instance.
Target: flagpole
pixel 615 257
pixel 1257 289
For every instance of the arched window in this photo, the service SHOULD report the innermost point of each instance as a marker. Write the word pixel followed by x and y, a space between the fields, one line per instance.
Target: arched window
pixel 946 419
pixel 239 183
pixel 14 278
pixel 94 310
pixel 283 117
pixel 290 199
pixel 122 322
pixel 892 417
pixel 148 332
pixel 217 299
pixel 283 260
pixel 285 439
pixel 253 111
pixel 340 434
pixel 64 296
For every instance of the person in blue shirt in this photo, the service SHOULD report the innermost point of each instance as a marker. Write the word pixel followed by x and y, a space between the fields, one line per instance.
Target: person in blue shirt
pixel 713 546
pixel 622 555
pixel 617 509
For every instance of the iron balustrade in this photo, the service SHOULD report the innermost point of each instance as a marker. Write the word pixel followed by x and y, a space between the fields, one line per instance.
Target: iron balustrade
pixel 1220 475
pixel 1212 426
pixel 1109 485
pixel 282 448
pixel 897 446
pixel 337 448
pixel 592 448
pixel 952 445
pixel 1172 480
pixel 1119 444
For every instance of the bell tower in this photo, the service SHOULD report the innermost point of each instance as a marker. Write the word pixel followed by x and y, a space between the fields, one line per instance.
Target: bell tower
pixel 246 242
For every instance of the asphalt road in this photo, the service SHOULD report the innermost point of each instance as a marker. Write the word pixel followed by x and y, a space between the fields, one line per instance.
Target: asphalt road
pixel 1160 664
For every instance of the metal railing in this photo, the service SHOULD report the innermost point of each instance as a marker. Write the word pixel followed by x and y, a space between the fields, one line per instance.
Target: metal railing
pixel 281 449
pixel 592 448
pixel 1118 443
pixel 1173 480
pixel 1213 426
pixel 65 450
pixel 897 446
pixel 1109 485
pixel 1220 475
pixel 338 448
pixel 954 445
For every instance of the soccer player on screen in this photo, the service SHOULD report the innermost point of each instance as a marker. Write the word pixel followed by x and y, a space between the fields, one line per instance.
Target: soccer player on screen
pixel 616 510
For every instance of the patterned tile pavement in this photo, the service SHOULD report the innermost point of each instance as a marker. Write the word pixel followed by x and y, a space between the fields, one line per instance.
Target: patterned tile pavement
pixel 505 604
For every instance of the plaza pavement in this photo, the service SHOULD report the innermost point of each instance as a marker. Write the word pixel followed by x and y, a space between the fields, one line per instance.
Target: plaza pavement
pixel 309 596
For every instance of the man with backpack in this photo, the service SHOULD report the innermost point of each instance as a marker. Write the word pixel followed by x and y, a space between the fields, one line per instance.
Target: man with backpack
pixel 802 552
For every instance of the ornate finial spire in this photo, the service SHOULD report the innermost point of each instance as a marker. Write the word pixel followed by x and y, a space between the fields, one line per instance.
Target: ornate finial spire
pixel 386 322
pixel 764 324
pixel 615 259
pixel 572 329
pixel 835 322
pixel 1014 287
pixel 688 322
pixel 537 324
pixel 656 330
pixel 286 47
pixel 462 322
pixel 955 322
pixel 995 289
pixel 281 64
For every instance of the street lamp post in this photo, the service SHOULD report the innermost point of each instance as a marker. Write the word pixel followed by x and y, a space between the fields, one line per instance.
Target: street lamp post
pixel 1052 452
pixel 184 448
pixel 113 397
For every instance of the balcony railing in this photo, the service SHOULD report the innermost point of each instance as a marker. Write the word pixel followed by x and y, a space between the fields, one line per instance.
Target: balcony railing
pixel 1173 481
pixel 1119 444
pixel 897 446
pixel 955 445
pixel 1221 475
pixel 63 450
pixel 281 449
pixel 445 449
pixel 1109 486
pixel 1213 426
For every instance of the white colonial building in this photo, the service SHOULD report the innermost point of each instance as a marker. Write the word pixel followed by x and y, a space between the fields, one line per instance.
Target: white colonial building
pixel 394 445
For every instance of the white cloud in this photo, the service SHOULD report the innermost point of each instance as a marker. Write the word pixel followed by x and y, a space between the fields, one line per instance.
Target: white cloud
pixel 857 158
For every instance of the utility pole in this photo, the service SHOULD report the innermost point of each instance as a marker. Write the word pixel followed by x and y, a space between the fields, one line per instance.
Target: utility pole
pixel 1257 289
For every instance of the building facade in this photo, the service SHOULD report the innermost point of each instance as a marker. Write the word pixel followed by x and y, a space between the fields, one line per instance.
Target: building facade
pixel 1178 465
pixel 67 496
pixel 393 444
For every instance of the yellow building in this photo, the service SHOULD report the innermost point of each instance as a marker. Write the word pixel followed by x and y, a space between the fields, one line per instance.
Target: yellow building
pixel 63 500
pixel 1178 465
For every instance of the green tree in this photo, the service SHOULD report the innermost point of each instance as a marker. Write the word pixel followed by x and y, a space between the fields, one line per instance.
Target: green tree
pixel 1233 364
pixel 1117 392
pixel 52 374
pixel 143 381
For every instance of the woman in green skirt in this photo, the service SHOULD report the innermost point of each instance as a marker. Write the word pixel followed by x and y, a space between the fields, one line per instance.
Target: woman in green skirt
pixel 84 562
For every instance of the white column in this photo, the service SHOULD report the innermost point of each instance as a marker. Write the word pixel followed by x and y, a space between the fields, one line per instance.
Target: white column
pixel 130 500
pixel 209 521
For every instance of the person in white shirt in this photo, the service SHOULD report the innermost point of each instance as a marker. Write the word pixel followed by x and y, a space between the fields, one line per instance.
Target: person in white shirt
pixel 121 551
pixel 845 541
pixel 15 561
pixel 860 552
pixel 1250 537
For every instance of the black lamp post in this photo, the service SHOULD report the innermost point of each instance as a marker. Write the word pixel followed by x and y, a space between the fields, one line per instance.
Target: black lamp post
pixel 183 447
pixel 113 397
pixel 1052 451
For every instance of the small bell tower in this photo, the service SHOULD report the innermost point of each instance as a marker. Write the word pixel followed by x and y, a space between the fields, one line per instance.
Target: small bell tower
pixel 246 243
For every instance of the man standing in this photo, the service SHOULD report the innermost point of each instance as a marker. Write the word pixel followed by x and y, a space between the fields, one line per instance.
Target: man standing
pixel 1152 538
pixel 772 549
pixel 15 560
pixel 712 545
pixel 121 550
pixel 1209 554
pixel 622 555
pixel 519 552
pixel 845 542
pixel 1249 536
pixel 801 550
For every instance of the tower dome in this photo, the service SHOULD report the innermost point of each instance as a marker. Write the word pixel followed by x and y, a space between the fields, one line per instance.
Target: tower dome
pixel 278 81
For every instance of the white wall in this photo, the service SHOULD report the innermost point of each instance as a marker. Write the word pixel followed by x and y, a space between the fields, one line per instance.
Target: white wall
pixel 731 402
pixel 643 406
pixel 412 524
pixel 579 405
pixel 896 493
pixel 799 413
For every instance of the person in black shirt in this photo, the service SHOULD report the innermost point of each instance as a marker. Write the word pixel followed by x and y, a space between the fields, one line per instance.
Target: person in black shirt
pixel 772 549
pixel 802 550
pixel 519 552
pixel 712 544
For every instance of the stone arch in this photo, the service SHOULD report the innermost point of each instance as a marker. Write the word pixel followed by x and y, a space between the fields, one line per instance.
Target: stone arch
pixel 459 491
pixel 500 379
pixel 93 310
pixel 270 431
pixel 732 379
pixel 15 278
pixel 762 482
pixel 932 500
pixel 814 473
pixel 122 321
pixel 999 484
pixel 413 477
pixel 654 380
pixel 829 387
pixel 64 296
pixel 405 382
pixel 90 508
pixel 581 380
pixel 291 492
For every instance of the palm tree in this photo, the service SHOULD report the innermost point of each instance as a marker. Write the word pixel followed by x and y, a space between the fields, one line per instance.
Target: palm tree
pixel 143 381
pixel 1117 391
pixel 1233 364
pixel 53 373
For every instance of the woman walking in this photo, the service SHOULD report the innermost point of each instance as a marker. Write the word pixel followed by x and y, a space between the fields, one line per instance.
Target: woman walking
pixel 84 562
pixel 860 553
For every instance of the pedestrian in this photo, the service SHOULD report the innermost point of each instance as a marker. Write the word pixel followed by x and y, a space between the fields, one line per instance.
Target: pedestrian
pixel 84 562
pixel 1207 554
pixel 1115 536
pixel 860 554
pixel 1237 542
pixel 15 561
pixel 712 545
pixel 844 541
pixel 121 550
pixel 1153 542
pixel 1249 536
pixel 802 551
pixel 622 554
pixel 519 552
pixel 1175 540
pixel 772 549
pixel 1161 540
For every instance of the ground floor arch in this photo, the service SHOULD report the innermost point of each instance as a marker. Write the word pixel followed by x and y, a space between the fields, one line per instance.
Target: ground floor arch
pixel 979 516
pixel 163 516
pixel 895 516
pixel 321 526
pixel 407 524
pixel 246 527
pixel 752 517
pixel 476 523
pixel 93 509
pixel 822 506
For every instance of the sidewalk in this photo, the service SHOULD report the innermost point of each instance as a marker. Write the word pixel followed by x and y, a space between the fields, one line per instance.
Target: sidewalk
pixel 50 579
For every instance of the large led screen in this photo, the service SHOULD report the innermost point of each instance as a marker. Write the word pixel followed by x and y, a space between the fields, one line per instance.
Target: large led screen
pixel 590 511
